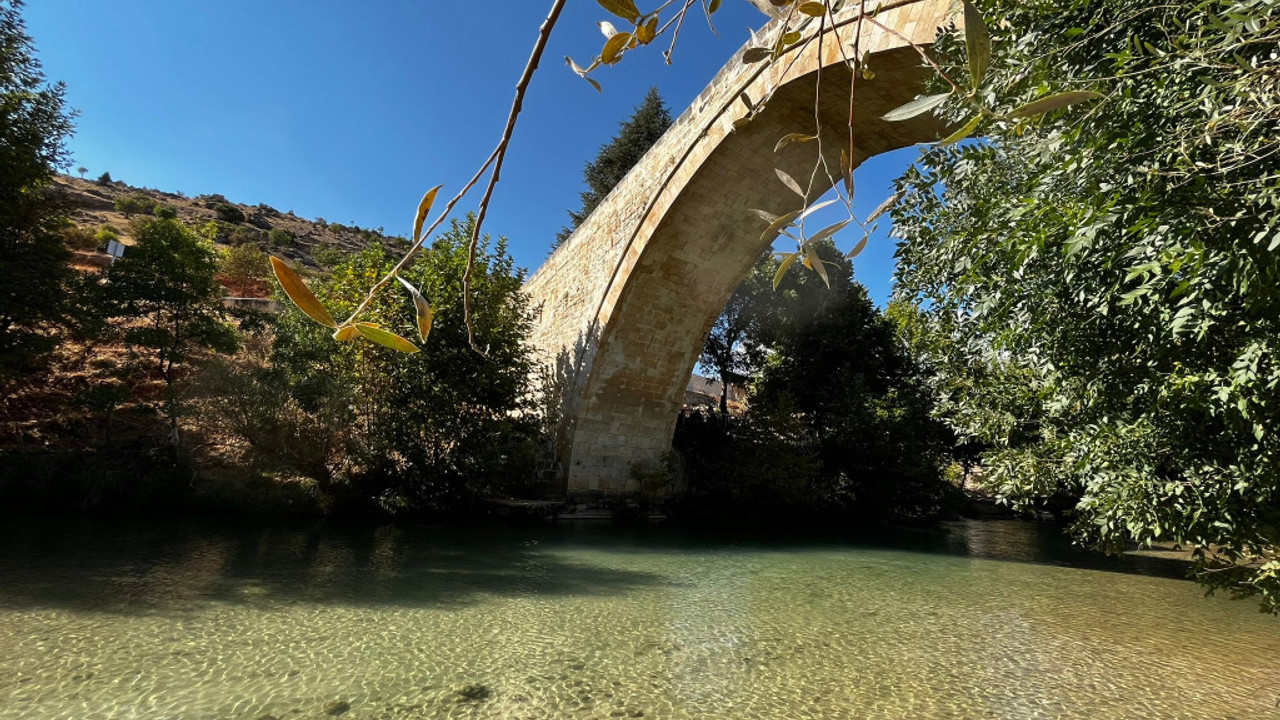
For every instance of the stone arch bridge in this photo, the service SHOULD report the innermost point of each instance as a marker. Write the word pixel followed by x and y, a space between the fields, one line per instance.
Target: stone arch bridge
pixel 625 304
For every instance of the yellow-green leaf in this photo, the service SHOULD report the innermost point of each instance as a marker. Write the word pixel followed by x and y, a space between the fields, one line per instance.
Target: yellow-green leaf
pixel 300 294
pixel 790 38
pixel 813 262
pixel 965 131
pixel 1054 102
pixel 787 262
pixel 385 338
pixel 421 308
pixel 846 172
pixel 813 9
pixel 613 46
pixel 915 107
pixel 857 249
pixel 794 137
pixel 625 9
pixel 789 182
pixel 977 43
pixel 346 332
pixel 648 31
pixel 714 6
pixel 424 208
pixel 777 225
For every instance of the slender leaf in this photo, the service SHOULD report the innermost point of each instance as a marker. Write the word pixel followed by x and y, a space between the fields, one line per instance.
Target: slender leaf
pixel 714 6
pixel 300 294
pixel 828 231
pixel 421 308
pixel 857 249
pixel 346 332
pixel 787 262
pixel 965 131
pixel 1054 102
pixel 846 172
pixel 385 337
pixel 883 207
pixel 765 215
pixel 977 43
pixel 814 263
pixel 776 226
pixel 814 208
pixel 424 209
pixel 812 9
pixel 916 107
pixel 794 137
pixel 789 182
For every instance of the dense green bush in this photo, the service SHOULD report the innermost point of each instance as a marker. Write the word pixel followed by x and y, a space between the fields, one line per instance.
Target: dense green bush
pixel 228 213
pixel 280 238
pixel 165 212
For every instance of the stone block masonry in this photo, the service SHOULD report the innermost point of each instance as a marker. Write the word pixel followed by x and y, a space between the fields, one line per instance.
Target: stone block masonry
pixel 624 306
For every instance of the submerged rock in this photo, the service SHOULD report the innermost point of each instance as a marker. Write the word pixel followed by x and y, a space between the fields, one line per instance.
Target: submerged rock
pixel 337 707
pixel 473 691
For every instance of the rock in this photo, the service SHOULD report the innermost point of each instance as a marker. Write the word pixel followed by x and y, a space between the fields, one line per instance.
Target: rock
pixel 632 712
pixel 337 707
pixel 473 691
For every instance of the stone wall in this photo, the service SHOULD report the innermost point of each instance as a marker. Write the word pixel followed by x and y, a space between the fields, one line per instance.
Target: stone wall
pixel 625 304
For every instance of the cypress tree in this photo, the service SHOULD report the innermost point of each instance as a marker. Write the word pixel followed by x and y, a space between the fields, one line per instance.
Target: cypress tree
pixel 635 136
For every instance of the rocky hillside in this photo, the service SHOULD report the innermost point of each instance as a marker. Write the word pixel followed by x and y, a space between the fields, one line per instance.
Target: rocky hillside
pixel 315 243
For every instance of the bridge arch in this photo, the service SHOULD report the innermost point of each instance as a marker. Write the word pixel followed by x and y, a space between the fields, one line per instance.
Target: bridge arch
pixel 625 304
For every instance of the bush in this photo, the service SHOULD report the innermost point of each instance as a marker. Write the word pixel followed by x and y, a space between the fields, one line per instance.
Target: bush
pixel 245 270
pixel 105 234
pixel 227 212
pixel 136 203
pixel 165 212
pixel 105 179
pixel 280 237
pixel 327 254
pixel 78 238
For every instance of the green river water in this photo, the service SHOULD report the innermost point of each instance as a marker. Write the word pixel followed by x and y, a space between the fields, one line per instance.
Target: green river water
pixel 975 620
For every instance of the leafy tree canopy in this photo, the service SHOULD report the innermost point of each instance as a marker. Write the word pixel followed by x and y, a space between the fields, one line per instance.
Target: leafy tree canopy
pixel 1098 286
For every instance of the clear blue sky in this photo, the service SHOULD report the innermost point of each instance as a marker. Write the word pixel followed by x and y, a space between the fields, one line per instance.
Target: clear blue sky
pixel 349 111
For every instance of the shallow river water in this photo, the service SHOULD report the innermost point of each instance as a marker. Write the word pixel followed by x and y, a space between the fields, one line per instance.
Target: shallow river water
pixel 976 620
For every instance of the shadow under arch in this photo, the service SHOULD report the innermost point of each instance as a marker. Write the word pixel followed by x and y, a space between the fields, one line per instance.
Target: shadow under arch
pixel 644 277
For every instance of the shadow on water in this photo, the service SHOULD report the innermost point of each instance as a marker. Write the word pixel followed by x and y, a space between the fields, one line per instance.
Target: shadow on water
pixel 175 568
pixel 130 570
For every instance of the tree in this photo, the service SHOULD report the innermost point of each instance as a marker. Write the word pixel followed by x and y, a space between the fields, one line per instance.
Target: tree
pixel 438 427
pixel 82 170
pixel 245 270
pixel 734 349
pixel 1098 289
pixel 164 291
pixel 614 160
pixel 34 126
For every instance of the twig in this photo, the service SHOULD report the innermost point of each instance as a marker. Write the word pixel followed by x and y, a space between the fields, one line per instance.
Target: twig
pixel 499 154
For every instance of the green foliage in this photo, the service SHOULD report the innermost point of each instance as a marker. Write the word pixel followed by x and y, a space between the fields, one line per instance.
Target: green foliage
pixel 165 212
pixel 228 213
pixel 105 179
pixel 1097 288
pixel 78 238
pixel 245 267
pixel 327 255
pixel 438 427
pixel 135 204
pixel 34 126
pixel 280 238
pixel 735 348
pixel 838 421
pixel 167 281
pixel 616 158
pixel 105 234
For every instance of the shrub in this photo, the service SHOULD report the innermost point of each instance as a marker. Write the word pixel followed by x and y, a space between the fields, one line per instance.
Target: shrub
pixel 165 212
pixel 327 254
pixel 280 237
pixel 227 212
pixel 105 179
pixel 79 238
pixel 105 234
pixel 136 203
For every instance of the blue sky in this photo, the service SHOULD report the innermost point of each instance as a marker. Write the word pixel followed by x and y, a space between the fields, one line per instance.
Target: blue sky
pixel 349 111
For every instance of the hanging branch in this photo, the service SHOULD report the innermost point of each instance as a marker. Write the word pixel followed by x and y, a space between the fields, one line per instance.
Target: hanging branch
pixel 499 154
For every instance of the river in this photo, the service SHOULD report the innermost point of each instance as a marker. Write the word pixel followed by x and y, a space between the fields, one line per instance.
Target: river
pixel 994 619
